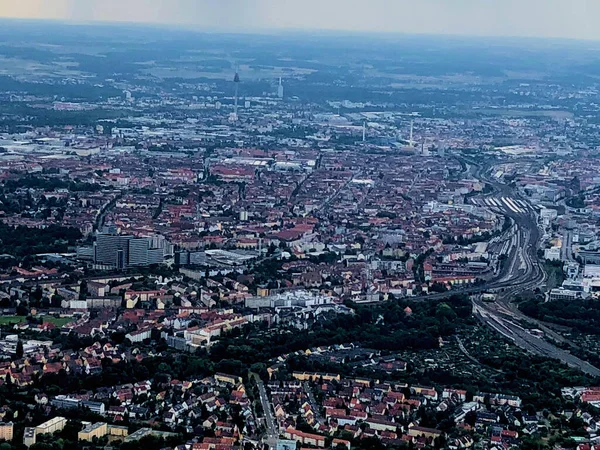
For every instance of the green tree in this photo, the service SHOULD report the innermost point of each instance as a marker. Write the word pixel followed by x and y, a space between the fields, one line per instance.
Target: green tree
pixel 83 290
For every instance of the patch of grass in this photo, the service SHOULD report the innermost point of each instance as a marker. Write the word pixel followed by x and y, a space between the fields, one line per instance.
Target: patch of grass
pixel 58 321
pixel 8 320
pixel 555 275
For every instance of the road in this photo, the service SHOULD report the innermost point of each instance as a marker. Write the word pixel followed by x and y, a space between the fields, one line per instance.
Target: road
pixel 567 246
pixel 101 216
pixel 332 197
pixel 534 344
pixel 313 403
pixel 272 430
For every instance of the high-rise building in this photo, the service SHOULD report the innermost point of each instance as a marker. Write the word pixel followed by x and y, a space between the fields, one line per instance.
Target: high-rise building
pixel 182 258
pixel 122 251
pixel 236 81
pixel 112 250
pixel 280 89
pixel 138 252
pixel 156 256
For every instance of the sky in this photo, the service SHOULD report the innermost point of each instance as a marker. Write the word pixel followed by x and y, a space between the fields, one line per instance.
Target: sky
pixel 532 18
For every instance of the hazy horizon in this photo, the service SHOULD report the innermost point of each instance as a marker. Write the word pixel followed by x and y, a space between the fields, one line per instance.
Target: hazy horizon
pixel 510 18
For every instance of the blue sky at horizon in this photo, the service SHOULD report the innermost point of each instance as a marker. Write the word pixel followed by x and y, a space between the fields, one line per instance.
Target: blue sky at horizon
pixel 528 18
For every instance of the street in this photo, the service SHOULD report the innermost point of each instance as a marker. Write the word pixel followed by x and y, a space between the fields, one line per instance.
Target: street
pixel 272 430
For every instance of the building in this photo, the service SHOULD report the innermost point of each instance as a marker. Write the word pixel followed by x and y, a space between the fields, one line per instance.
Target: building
pixel 286 444
pixel 142 432
pixel 122 251
pixel 311 376
pixel 93 430
pixel 548 215
pixel 96 407
pixel 139 336
pixel 99 430
pixel 571 269
pixel 336 442
pixel 498 399
pixel 85 253
pixel 6 431
pixel 64 402
pixel 156 256
pixel 552 254
pixel 103 302
pixel 178 343
pixel 51 426
pixel 565 294
pixel 112 250
pixel 229 379
pixel 305 438
pixel 118 431
pixel 98 289
pixel 290 299
pixel 29 436
pixel 381 424
pixel 138 252
pixel 416 431
pixel 77 304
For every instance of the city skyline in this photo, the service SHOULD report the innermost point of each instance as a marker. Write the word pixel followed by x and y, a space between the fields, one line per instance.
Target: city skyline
pixel 257 230
pixel 530 18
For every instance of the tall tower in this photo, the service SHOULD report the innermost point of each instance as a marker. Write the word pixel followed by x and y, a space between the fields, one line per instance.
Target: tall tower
pixel 280 89
pixel 364 131
pixel 411 143
pixel 236 82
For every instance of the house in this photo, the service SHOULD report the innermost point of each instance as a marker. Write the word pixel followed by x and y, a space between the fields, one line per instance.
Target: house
pixel 416 431
pixel 305 438
pixel 229 379
pixel 310 376
pixel 381 424
pixel 343 442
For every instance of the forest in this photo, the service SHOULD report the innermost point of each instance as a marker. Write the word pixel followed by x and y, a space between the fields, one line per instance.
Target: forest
pixel 24 241
pixel 581 315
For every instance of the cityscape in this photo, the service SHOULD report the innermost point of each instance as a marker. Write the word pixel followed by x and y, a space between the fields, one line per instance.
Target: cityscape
pixel 297 240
